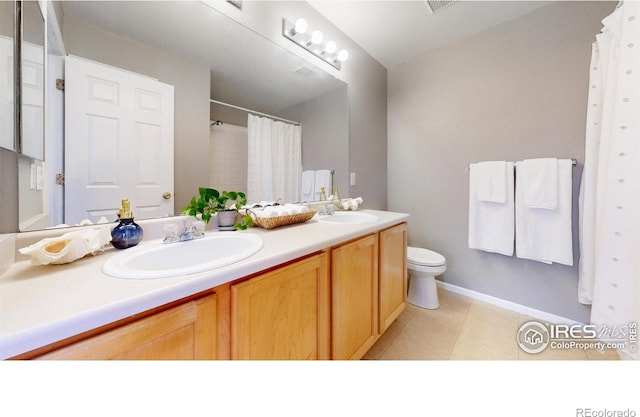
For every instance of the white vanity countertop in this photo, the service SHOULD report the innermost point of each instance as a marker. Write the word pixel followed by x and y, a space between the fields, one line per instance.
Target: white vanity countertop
pixel 40 305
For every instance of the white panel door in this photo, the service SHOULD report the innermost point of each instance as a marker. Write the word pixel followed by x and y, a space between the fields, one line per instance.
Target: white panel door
pixel 118 142
pixel 33 100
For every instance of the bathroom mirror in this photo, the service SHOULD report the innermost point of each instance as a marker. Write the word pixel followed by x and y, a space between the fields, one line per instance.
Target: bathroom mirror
pixel 32 77
pixel 8 156
pixel 32 196
pixel 241 68
pixel 6 74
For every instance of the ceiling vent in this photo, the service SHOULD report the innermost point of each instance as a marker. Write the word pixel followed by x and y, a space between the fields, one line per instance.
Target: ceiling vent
pixel 437 5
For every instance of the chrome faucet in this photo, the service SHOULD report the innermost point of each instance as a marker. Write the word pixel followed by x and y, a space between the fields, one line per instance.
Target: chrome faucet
pixel 326 210
pixel 187 233
pixel 191 231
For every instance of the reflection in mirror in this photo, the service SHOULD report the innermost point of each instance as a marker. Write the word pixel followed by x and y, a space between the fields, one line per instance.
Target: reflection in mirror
pixel 32 74
pixel 325 126
pixel 6 74
pixel 8 157
pixel 204 55
pixel 31 203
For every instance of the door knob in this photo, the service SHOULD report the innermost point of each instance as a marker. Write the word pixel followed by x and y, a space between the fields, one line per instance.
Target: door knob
pixel 166 195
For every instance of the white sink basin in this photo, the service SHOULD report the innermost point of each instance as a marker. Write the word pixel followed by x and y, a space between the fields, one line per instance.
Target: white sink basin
pixel 348 217
pixel 162 260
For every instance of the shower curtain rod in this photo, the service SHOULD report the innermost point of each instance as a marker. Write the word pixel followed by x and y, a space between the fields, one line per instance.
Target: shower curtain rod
pixel 255 112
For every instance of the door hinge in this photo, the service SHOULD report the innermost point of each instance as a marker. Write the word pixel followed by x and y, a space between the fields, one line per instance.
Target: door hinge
pixel 59 84
pixel 60 179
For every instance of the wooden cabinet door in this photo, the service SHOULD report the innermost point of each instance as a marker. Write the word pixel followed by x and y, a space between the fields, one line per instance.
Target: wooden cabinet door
pixel 187 331
pixel 393 274
pixel 354 297
pixel 282 314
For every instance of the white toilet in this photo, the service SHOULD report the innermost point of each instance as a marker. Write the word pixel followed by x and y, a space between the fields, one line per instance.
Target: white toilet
pixel 423 266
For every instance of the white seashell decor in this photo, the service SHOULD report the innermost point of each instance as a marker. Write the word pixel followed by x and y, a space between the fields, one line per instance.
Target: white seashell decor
pixel 68 247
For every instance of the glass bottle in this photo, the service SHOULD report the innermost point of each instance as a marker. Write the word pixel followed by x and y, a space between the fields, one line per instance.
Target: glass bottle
pixel 336 199
pixel 127 233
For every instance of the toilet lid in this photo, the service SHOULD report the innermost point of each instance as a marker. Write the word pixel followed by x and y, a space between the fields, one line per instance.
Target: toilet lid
pixel 425 257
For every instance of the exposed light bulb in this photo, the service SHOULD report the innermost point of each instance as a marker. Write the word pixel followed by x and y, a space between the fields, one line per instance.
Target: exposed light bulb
pixel 316 37
pixel 330 47
pixel 300 27
pixel 313 42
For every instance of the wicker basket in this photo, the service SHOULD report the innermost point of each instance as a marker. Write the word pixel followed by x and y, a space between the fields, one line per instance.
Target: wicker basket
pixel 273 222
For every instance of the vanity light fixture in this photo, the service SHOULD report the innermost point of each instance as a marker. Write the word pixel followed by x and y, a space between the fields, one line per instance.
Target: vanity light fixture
pixel 316 38
pixel 299 28
pixel 329 48
pixel 297 33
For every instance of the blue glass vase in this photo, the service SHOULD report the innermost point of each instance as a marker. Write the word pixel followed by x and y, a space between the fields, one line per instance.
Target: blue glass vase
pixel 126 234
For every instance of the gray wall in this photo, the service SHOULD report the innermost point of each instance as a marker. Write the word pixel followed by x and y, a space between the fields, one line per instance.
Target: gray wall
pixel 228 115
pixel 31 203
pixel 191 101
pixel 8 191
pixel 515 91
pixel 8 158
pixel 6 19
pixel 367 81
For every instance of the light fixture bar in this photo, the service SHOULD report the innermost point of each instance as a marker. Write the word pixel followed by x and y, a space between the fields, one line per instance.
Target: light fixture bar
pixel 313 43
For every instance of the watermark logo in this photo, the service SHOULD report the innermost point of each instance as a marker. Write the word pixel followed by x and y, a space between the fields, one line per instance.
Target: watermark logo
pixel 590 412
pixel 534 336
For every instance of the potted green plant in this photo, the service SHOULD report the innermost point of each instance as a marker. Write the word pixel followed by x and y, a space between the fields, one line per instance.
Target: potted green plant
pixel 226 204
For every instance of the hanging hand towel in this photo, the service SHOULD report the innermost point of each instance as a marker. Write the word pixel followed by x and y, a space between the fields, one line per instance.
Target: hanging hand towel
pixel 308 186
pixel 540 180
pixel 544 235
pixel 491 181
pixel 323 179
pixel 491 224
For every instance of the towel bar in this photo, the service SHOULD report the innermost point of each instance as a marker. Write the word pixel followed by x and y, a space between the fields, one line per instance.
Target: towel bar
pixel 574 162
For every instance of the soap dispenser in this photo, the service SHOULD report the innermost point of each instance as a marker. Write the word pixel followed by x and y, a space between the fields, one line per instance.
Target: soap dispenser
pixel 323 195
pixel 335 199
pixel 127 233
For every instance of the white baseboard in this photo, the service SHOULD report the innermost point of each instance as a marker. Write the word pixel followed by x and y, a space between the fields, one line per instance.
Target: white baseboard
pixel 518 308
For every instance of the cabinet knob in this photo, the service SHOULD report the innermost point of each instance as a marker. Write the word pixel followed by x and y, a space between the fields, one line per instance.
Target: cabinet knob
pixel 166 195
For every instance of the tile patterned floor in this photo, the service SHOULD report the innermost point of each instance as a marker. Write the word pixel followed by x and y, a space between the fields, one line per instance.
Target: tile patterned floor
pixel 464 329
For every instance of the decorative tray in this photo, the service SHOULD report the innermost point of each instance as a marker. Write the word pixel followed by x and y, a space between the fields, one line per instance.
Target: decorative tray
pixel 277 221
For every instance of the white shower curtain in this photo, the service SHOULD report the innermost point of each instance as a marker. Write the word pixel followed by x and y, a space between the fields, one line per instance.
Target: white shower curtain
pixel 275 160
pixel 610 189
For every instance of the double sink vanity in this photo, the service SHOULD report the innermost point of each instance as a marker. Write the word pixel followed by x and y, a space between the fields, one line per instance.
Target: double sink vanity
pixel 324 289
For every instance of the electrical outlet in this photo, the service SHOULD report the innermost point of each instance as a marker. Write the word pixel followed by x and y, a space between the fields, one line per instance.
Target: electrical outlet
pixel 39 177
pixel 32 177
pixel 352 178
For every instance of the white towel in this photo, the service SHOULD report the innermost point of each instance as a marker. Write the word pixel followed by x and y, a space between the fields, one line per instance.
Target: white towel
pixel 544 235
pixel 539 177
pixel 491 224
pixel 323 179
pixel 491 182
pixel 308 186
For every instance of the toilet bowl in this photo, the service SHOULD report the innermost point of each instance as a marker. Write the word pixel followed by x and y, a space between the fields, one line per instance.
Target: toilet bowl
pixel 423 265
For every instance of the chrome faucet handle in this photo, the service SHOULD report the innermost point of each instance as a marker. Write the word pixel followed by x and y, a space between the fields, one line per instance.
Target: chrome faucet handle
pixel 198 227
pixel 170 233
pixel 187 233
